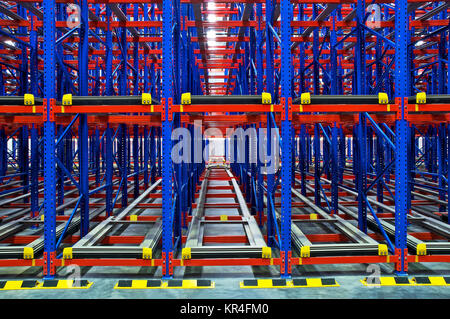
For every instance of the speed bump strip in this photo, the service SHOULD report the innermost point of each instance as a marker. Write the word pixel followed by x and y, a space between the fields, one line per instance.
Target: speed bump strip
pixel 19 284
pixel 158 284
pixel 66 284
pixel 28 99
pixel 186 98
pixel 431 281
pixel 388 281
pixel 46 284
pixel 405 281
pixel 295 283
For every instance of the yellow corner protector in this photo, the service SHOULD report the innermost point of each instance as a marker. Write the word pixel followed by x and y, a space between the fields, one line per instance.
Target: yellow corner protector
pixel 171 284
pixel 147 253
pixel 421 98
pixel 313 216
pixel 146 99
pixel 431 281
pixel 65 284
pixel 67 100
pixel 305 98
pixel 19 284
pixel 382 250
pixel 28 253
pixel 133 218
pixel 67 253
pixel 266 252
pixel 28 99
pixel 266 98
pixel 42 217
pixel 295 283
pixel 305 251
pixel 383 98
pixel 421 249
pixel 186 253
pixel 186 98
pixel 223 217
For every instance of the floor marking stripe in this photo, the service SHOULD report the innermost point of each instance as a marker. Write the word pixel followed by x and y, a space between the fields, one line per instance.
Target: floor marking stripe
pixel 295 283
pixel 46 284
pixel 171 284
pixel 405 281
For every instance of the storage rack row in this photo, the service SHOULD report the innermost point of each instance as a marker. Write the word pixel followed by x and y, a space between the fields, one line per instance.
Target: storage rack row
pixel 92 92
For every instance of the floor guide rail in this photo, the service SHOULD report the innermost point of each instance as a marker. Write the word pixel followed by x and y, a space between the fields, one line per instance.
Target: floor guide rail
pixel 255 245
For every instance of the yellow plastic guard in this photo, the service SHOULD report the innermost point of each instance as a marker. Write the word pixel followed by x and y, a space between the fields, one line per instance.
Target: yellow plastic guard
pixel 421 249
pixel 133 218
pixel 67 99
pixel 186 98
pixel 305 251
pixel 223 217
pixel 421 98
pixel 186 253
pixel 313 216
pixel 305 98
pixel 382 250
pixel 266 252
pixel 28 253
pixel 28 99
pixel 266 98
pixel 42 217
pixel 146 99
pixel 147 253
pixel 383 98
pixel 67 253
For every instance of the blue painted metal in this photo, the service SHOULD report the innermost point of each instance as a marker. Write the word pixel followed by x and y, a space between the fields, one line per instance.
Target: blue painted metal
pixel 401 133
pixel 49 139
pixel 286 131
pixel 168 94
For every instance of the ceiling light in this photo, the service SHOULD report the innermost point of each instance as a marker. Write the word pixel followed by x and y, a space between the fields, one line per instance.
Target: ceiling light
pixel 211 34
pixel 212 18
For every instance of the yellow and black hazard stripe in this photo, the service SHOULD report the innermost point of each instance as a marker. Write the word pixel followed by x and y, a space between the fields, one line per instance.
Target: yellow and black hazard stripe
pixel 159 284
pixel 295 283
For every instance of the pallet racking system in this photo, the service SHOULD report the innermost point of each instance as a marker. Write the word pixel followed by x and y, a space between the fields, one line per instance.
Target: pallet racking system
pixel 92 91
